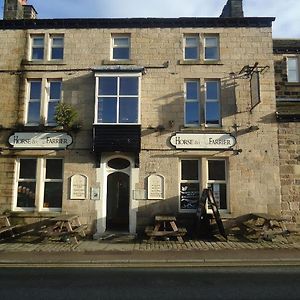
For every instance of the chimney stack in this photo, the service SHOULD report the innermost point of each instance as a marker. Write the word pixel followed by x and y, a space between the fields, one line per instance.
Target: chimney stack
pixel 18 9
pixel 233 9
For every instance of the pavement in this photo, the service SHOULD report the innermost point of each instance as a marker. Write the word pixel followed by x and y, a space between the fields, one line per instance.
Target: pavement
pixel 129 252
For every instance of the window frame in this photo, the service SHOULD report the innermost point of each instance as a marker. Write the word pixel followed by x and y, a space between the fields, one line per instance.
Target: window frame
pixel 40 181
pixel 51 46
pixel 186 100
pixel 31 45
pixel 296 70
pixel 113 46
pixel 185 46
pixel 97 96
pixel 216 100
pixel 28 100
pixel 48 100
pixel 215 36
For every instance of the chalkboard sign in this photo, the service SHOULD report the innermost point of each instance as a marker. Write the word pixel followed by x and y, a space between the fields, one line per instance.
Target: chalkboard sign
pixel 189 195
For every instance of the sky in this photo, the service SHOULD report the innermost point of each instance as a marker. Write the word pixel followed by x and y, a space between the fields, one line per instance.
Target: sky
pixel 286 25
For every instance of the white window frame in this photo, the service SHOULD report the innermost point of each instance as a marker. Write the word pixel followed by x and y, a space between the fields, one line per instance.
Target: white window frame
pixel 113 46
pixel 216 37
pixel 216 100
pixel 186 100
pixel 98 76
pixel 295 70
pixel 211 181
pixel 40 181
pixel 31 46
pixel 51 46
pixel 44 101
pixel 185 46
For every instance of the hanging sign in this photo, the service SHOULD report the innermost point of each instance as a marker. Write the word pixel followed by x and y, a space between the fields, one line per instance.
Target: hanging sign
pixel 196 141
pixel 40 140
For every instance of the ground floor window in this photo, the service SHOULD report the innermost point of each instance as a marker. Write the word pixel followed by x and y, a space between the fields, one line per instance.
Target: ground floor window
pixel 196 174
pixel 39 184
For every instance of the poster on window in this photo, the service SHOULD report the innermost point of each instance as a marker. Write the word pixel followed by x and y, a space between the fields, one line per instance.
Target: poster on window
pixel 189 195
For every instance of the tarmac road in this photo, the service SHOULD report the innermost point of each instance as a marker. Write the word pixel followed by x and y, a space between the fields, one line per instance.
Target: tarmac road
pixel 150 283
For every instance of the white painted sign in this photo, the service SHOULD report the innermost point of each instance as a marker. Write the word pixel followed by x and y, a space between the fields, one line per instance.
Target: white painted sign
pixel 202 141
pixel 156 186
pixel 78 187
pixel 40 140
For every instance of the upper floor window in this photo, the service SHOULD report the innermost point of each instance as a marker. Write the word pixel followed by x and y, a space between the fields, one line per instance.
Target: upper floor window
pixel 117 99
pixel 293 69
pixel 56 47
pixel 212 103
pixel 37 47
pixel 45 46
pixel 120 47
pixel 211 47
pixel 42 97
pixel 192 103
pixel 191 47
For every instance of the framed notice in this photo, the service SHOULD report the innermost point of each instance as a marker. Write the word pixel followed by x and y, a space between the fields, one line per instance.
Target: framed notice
pixel 79 187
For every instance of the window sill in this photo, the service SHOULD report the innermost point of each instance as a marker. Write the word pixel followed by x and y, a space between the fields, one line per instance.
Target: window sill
pixel 203 129
pixel 118 62
pixel 293 83
pixel 199 62
pixel 42 63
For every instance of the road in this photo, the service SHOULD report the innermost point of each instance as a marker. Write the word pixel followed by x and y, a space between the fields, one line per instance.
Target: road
pixel 151 283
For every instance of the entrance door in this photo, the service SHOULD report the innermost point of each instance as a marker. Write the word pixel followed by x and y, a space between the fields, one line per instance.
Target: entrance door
pixel 117 215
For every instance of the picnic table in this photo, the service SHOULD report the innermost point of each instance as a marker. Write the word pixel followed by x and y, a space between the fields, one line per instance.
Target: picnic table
pixel 67 227
pixel 165 226
pixel 5 225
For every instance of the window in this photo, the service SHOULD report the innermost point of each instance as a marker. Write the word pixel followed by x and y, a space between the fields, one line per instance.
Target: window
pixel 56 47
pixel 117 99
pixel 189 184
pixel 191 47
pixel 120 47
pixel 212 103
pixel 216 170
pixel 293 69
pixel 46 47
pixel 37 47
pixel 211 48
pixel 43 96
pixel 39 184
pixel 192 103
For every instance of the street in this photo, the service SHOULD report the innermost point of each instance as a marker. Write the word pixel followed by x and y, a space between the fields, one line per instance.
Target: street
pixel 151 283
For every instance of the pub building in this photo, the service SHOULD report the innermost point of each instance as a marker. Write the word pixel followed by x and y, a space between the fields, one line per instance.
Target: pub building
pixel 166 108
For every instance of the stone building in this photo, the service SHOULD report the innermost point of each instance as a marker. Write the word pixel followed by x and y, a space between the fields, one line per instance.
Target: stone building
pixel 287 80
pixel 166 107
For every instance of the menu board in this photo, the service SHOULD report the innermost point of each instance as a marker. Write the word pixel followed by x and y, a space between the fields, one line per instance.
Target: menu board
pixel 189 195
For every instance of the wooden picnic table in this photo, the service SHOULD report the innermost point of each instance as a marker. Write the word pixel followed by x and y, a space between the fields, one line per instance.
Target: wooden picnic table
pixel 65 226
pixel 5 225
pixel 165 226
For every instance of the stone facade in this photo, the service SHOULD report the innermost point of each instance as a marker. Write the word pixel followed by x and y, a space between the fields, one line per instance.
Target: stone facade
pixel 251 172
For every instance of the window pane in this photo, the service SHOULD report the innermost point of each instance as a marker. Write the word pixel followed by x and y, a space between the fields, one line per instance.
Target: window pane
pixel 211 42
pixel 51 112
pixel 192 90
pixel 53 194
pixel 55 89
pixel 191 53
pixel 118 163
pixel 108 86
pixel 189 195
pixel 35 89
pixel 128 110
pixel 107 110
pixel 191 41
pixel 216 169
pixel 54 168
pixel 212 89
pixel 27 169
pixel 189 170
pixel 293 69
pixel 219 191
pixel 58 42
pixel 121 53
pixel 33 112
pixel 212 113
pixel 121 42
pixel 38 53
pixel 128 86
pixel 38 41
pixel 26 194
pixel 57 53
pixel 192 113
pixel 211 53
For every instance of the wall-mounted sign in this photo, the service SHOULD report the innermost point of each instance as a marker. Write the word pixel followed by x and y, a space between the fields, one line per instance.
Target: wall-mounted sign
pixel 202 141
pixel 156 186
pixel 78 187
pixel 40 140
pixel 95 193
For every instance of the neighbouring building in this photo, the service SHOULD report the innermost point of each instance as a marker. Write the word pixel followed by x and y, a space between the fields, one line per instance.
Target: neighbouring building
pixel 166 107
pixel 287 80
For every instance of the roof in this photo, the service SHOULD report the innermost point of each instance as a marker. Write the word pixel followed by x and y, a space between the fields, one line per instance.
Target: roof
pixel 286 46
pixel 137 23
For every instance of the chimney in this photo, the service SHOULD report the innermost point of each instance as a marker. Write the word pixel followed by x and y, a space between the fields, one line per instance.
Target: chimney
pixel 233 9
pixel 18 9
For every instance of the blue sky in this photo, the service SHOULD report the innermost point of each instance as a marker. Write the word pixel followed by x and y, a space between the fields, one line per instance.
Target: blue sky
pixel 287 12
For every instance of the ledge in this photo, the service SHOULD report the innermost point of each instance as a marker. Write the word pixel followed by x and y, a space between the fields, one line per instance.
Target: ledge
pixel 42 63
pixel 200 62
pixel 118 62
